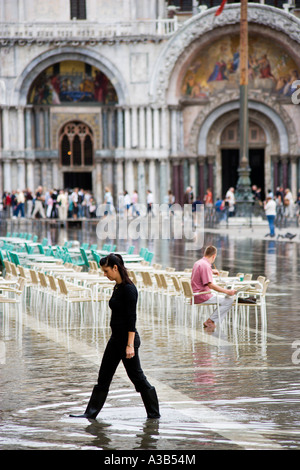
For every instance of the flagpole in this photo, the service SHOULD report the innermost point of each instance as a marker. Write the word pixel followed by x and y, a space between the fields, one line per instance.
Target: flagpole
pixel 243 190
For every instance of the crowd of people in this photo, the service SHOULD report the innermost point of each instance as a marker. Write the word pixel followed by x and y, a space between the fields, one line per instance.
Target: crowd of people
pixel 79 203
pixel 53 204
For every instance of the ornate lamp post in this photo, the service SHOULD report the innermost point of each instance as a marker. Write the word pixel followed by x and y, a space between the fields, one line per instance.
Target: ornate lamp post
pixel 244 197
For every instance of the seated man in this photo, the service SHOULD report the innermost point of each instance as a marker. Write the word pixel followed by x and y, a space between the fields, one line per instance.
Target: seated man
pixel 202 280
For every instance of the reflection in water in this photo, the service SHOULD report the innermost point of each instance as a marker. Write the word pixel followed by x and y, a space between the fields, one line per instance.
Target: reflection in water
pixel 243 372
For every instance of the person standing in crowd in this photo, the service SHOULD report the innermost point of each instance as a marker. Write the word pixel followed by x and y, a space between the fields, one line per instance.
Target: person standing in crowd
pixel 62 201
pixel 208 198
pixel 134 201
pixel 230 201
pixel 14 202
pixel 38 203
pixel 127 202
pixel 202 281
pixel 270 211
pixel 92 208
pixel 108 201
pixel 86 203
pixel 20 207
pixel 49 205
pixel 187 197
pixel 123 344
pixel 288 203
pixel 29 202
pixel 80 201
pixel 75 203
pixel 150 202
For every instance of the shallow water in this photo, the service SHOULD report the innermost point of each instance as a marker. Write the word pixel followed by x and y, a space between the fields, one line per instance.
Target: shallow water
pixel 237 388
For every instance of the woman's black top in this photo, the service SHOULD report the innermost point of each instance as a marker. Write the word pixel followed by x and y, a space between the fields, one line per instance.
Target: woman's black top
pixel 123 306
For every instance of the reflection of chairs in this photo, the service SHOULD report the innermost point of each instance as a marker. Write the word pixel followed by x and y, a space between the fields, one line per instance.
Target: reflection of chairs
pixel 13 296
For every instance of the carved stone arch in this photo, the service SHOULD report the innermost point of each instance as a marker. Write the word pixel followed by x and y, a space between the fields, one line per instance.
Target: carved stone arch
pixel 181 44
pixel 48 58
pixel 59 120
pixel 221 104
pixel 216 130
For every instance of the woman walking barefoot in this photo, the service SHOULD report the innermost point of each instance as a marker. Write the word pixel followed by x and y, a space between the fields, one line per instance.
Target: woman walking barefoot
pixel 123 344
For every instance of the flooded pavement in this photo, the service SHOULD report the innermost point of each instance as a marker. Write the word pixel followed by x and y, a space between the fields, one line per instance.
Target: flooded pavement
pixel 234 389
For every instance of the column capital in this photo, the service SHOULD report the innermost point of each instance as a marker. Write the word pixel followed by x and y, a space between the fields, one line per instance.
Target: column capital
pixel 201 159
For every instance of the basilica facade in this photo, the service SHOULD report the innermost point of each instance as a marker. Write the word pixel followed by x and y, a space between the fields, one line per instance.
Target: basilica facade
pixel 140 94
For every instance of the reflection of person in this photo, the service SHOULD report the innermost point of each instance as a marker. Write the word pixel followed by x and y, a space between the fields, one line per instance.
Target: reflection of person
pixel 202 281
pixel 123 344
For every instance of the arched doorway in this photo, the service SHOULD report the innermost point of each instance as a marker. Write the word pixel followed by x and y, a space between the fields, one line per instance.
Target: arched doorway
pixel 76 146
pixel 230 156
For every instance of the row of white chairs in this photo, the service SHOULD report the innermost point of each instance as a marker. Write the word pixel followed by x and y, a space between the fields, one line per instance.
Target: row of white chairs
pixel 45 289
pixel 159 287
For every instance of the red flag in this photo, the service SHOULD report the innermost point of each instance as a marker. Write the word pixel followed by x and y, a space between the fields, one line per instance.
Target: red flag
pixel 221 7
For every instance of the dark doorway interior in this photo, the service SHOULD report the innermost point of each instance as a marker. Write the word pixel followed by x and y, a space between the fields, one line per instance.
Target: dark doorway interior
pixel 230 164
pixel 78 180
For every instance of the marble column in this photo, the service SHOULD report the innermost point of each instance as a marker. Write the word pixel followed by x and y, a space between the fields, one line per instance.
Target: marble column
pixel 127 129
pixel 21 174
pixel 56 175
pixel 30 175
pixel 201 178
pixel 284 164
pixel 105 128
pixel 165 129
pixel 294 188
pixel 141 181
pixel 46 128
pixel 211 161
pixel 1 179
pixel 163 181
pixel 98 183
pixel 120 128
pixel 5 128
pixel 156 128
pixel 173 131
pixel 28 126
pixel 21 130
pixel 149 137
pixel 192 175
pixel 142 129
pixel 7 175
pixel 177 180
pixel 101 146
pixel 129 176
pixel 134 128
pixel 152 180
pixel 44 174
pixel 119 179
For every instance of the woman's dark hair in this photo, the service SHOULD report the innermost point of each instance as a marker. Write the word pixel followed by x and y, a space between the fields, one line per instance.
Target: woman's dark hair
pixel 115 259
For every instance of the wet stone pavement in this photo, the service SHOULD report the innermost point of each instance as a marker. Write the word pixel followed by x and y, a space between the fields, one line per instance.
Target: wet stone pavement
pixel 234 389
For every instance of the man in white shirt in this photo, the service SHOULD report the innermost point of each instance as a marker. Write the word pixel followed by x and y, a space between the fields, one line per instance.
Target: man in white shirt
pixel 270 211
pixel 231 201
pixel 150 201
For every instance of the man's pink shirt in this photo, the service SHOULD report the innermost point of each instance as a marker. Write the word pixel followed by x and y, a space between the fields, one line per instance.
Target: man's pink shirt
pixel 201 276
